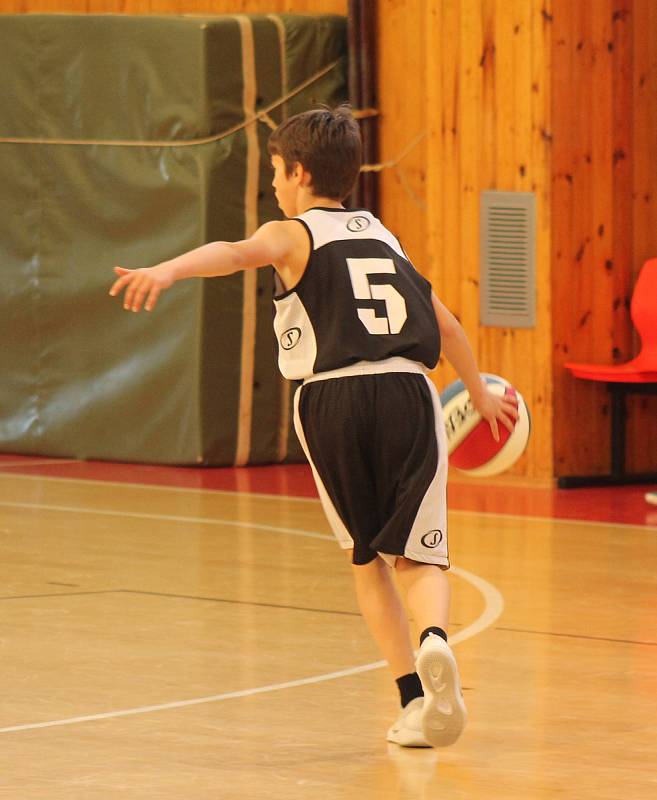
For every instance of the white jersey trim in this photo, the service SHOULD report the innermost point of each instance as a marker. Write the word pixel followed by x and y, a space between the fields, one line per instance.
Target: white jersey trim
pixel 337 226
pixel 297 343
pixel 394 364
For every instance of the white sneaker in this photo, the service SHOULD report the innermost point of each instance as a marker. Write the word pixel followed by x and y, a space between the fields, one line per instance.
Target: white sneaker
pixel 407 730
pixel 443 714
pixel 651 497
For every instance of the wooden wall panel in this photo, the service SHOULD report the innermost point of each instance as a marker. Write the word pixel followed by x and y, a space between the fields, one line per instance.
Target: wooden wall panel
pixel 551 96
pixel 402 103
pixel 604 117
pixel 642 422
pixel 488 99
pixel 583 227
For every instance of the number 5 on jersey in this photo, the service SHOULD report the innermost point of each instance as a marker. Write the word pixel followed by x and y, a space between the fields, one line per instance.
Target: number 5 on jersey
pixel 359 271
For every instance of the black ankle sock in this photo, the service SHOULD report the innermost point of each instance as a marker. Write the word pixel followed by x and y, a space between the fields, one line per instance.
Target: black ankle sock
pixel 438 631
pixel 409 688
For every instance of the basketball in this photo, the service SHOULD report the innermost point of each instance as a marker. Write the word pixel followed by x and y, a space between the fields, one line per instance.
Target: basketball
pixel 471 446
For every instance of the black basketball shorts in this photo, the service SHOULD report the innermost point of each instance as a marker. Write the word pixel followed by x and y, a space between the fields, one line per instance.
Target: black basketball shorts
pixel 375 438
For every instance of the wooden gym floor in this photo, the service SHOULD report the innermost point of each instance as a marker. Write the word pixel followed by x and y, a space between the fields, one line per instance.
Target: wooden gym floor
pixel 192 634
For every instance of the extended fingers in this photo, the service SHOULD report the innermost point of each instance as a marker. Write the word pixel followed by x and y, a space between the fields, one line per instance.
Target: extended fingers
pixel 137 292
pixel 508 422
pixel 119 284
pixel 152 298
pixel 508 413
pixel 141 289
pixel 130 288
pixel 128 280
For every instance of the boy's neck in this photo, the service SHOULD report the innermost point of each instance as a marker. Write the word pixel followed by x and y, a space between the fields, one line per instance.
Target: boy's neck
pixel 312 201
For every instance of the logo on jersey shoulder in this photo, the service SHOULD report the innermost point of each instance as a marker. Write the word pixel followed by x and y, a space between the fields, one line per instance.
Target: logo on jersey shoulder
pixel 290 338
pixel 432 539
pixel 358 224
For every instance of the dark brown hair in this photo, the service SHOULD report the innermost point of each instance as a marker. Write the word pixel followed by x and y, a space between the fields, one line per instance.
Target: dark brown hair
pixel 327 143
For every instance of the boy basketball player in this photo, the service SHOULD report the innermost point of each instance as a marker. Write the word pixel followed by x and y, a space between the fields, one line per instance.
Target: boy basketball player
pixel 361 328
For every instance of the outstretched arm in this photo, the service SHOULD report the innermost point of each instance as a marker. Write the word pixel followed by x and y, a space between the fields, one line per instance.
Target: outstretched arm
pixel 458 352
pixel 270 244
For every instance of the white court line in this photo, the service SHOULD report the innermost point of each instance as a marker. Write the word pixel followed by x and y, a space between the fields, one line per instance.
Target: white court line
pixel 160 488
pixel 293 531
pixel 105 512
pixel 562 520
pixel 293 499
pixel 494 605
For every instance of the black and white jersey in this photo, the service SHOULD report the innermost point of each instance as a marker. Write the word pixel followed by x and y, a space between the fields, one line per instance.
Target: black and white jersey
pixel 359 299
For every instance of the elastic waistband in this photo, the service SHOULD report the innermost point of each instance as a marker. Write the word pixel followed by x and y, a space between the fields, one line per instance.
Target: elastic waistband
pixel 395 364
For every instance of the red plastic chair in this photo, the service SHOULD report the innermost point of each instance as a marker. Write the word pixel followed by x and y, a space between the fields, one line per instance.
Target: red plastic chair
pixel 642 368
pixel 638 376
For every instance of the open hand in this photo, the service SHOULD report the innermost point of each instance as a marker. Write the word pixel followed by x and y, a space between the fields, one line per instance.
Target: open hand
pixel 141 285
pixel 494 408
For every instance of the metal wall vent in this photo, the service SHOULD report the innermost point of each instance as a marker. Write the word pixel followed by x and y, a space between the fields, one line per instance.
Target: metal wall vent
pixel 508 259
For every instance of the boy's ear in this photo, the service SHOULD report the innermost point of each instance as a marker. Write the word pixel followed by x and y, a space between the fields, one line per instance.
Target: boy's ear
pixel 305 178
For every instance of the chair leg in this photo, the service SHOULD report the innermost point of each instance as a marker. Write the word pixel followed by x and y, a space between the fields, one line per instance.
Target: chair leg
pixel 617 476
pixel 618 421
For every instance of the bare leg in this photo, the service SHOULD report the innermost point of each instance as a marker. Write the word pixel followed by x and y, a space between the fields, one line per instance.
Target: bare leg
pixel 439 718
pixel 385 615
pixel 427 593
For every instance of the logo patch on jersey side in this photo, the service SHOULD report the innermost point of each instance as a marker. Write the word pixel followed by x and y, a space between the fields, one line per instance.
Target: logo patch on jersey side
pixel 290 338
pixel 358 224
pixel 432 539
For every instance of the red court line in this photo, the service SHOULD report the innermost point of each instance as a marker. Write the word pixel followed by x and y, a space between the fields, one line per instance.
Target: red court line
pixel 622 504
pixel 293 479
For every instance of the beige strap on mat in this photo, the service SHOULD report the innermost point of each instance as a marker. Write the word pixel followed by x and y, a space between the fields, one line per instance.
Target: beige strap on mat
pixel 284 396
pixel 250 276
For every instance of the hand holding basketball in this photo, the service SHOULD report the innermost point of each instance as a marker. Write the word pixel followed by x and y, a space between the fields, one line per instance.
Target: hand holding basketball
pixel 492 408
pixel 142 286
pixel 476 443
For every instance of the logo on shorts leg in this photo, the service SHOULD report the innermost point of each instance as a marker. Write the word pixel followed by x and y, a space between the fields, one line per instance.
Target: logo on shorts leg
pixel 432 539
pixel 290 338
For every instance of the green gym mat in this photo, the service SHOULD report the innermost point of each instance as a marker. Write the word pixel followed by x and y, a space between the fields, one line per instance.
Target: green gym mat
pixel 126 140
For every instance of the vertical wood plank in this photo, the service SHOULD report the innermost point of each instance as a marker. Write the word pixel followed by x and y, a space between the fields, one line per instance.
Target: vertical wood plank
pixel 623 158
pixel 469 146
pixel 539 180
pixel 403 117
pixel 485 69
pixel 604 121
pixel 443 164
pixel 583 441
pixel 642 425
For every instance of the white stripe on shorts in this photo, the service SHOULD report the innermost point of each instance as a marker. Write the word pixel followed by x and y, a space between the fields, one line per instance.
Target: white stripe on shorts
pixel 337 525
pixel 427 541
